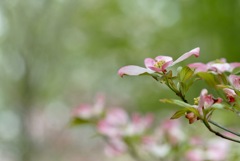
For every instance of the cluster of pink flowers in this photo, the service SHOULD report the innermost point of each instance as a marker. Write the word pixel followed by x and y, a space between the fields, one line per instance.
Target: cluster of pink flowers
pixel 124 134
pixel 136 135
pixel 213 149
pixel 218 66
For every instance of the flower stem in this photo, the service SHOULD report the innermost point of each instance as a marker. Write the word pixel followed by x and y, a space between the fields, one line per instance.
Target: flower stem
pixel 221 127
pixel 214 123
pixel 217 133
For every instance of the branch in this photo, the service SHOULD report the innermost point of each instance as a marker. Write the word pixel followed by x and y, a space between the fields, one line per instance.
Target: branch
pixel 221 127
pixel 217 133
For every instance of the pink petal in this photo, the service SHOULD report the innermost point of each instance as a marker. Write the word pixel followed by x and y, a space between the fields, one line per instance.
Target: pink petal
pixel 117 116
pixel 205 101
pixel 115 147
pixel 199 67
pixel 149 63
pixel 164 58
pixel 220 67
pixel 233 66
pixel 84 111
pixel 133 70
pixel 194 52
pixel 195 155
pixel 234 81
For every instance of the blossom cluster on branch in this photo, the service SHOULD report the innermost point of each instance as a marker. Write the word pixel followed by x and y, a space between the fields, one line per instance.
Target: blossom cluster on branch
pixel 221 77
pixel 144 138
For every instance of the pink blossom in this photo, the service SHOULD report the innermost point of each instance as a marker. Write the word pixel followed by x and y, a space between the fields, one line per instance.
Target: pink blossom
pixel 173 132
pixel 117 123
pixel 139 124
pixel 195 155
pixel 115 147
pixel 151 145
pixel 234 81
pixel 113 124
pixel 88 111
pixel 159 64
pixel 217 149
pixel 230 94
pixel 206 100
pixel 191 117
pixel 218 66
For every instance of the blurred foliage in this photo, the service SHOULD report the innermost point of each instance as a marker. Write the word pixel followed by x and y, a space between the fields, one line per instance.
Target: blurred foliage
pixel 61 52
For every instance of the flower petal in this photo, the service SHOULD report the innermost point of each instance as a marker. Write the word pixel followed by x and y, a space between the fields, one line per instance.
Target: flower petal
pixel 133 70
pixel 199 67
pixel 194 52
pixel 233 66
pixel 149 63
pixel 234 81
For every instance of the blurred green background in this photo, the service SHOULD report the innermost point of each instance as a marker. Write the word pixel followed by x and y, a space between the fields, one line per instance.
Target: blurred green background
pixel 56 54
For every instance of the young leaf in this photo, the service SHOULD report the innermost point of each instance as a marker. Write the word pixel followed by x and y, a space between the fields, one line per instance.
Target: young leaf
pixel 78 121
pixel 185 74
pixel 209 78
pixel 176 102
pixel 178 114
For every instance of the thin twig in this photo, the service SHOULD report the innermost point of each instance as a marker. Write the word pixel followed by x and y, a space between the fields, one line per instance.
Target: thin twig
pixel 221 127
pixel 217 133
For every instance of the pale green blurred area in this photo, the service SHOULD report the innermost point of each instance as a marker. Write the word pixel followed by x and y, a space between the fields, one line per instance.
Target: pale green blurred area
pixel 56 54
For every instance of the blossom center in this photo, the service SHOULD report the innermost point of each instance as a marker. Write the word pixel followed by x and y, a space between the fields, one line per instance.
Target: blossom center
pixel 196 101
pixel 159 64
pixel 218 61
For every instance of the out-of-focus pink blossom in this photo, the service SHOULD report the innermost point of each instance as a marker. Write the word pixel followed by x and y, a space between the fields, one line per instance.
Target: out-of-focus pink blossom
pixel 234 81
pixel 159 64
pixel 230 94
pixel 195 155
pixel 217 149
pixel 196 141
pixel 152 145
pixel 114 123
pixel 87 111
pixel 117 123
pixel 172 131
pixel 139 124
pixel 218 66
pixel 115 147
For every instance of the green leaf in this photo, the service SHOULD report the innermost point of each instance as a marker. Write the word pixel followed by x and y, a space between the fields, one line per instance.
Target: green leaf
pixel 236 71
pixel 184 111
pixel 178 114
pixel 210 78
pixel 78 121
pixel 218 106
pixel 185 74
pixel 176 102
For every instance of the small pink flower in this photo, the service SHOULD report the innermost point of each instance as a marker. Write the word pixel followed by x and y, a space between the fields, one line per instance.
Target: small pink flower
pixel 173 132
pixel 217 150
pixel 218 66
pixel 115 147
pixel 141 123
pixel 113 124
pixel 191 117
pixel 234 81
pixel 151 144
pixel 206 101
pixel 87 111
pixel 159 64
pixel 195 155
pixel 230 94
